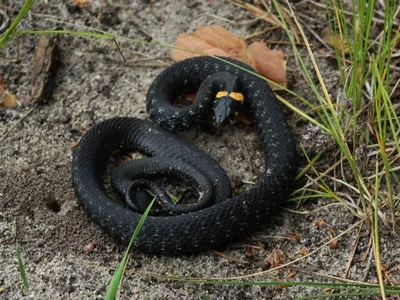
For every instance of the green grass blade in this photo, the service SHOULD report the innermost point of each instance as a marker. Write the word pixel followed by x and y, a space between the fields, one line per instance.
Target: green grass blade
pixel 9 34
pixel 117 277
pixel 376 234
pixel 22 271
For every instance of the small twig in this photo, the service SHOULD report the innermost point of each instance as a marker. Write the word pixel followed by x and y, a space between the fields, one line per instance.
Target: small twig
pixel 261 32
pixel 284 43
pixel 229 257
pixel 368 266
pixel 120 52
pixel 353 251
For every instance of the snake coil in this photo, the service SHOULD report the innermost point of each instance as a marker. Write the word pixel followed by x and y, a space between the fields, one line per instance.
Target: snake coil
pixel 230 217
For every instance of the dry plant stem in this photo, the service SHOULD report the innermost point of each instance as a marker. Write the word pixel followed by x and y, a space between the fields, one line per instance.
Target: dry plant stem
pixel 330 276
pixel 282 43
pixel 368 265
pixel 376 236
pixel 353 251
pixel 307 212
pixel 260 32
pixel 219 18
pixel 229 257
pixel 265 15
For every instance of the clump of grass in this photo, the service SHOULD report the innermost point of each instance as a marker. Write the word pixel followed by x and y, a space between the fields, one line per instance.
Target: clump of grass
pixel 366 78
pixel 365 67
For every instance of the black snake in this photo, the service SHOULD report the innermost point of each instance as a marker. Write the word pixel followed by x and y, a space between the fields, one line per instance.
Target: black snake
pixel 227 218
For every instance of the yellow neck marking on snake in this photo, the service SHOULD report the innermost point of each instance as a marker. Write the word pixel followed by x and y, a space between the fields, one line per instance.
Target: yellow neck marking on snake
pixel 221 94
pixel 235 96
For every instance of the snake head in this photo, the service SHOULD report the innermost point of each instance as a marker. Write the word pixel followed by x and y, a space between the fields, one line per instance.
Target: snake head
pixel 225 106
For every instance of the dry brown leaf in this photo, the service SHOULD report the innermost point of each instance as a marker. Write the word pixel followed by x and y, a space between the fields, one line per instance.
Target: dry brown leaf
pixel 269 63
pixel 220 38
pixel 333 244
pixel 2 86
pixel 229 257
pixel 319 223
pixel 81 3
pixel 192 43
pixel 215 40
pixel 304 251
pixel 8 100
pixel 291 273
pixel 294 236
pixel 89 248
pixel 274 259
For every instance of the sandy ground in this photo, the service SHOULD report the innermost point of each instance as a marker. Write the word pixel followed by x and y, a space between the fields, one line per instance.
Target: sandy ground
pixel 39 212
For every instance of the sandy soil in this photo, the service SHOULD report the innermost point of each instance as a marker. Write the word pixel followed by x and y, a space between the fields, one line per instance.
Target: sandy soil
pixel 39 212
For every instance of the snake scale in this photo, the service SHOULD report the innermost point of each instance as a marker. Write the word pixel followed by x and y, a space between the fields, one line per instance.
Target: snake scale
pixel 229 217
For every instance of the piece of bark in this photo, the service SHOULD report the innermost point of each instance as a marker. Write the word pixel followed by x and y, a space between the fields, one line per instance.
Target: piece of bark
pixel 43 69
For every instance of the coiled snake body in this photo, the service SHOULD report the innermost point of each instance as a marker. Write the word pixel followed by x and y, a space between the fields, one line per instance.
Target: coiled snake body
pixel 229 218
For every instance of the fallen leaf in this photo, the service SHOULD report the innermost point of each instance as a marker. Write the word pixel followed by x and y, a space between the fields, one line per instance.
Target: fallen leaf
pixel 81 3
pixel 229 257
pixel 273 67
pixel 216 40
pixel 319 223
pixel 8 100
pixel 291 273
pixel 304 251
pixel 250 249
pixel 274 259
pixel 220 38
pixel 89 248
pixel 2 86
pixel 294 236
pixel 333 244
pixel 277 257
